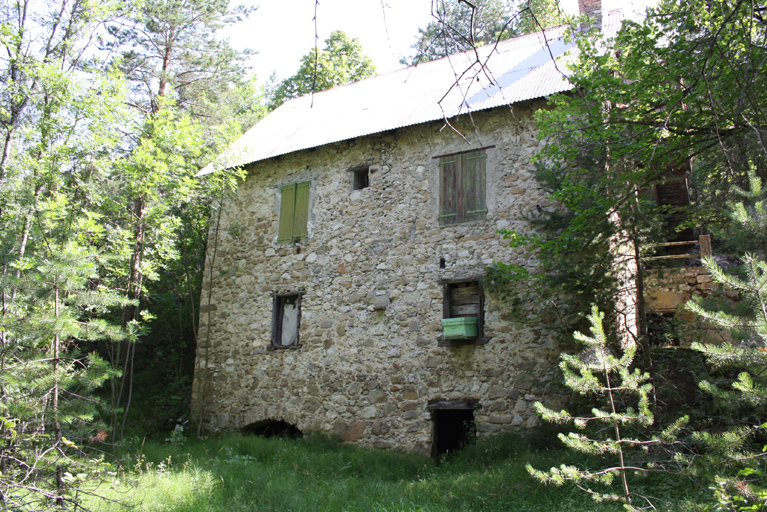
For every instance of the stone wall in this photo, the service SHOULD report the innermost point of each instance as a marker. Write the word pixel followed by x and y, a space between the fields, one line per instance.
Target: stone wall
pixel 370 272
pixel 668 290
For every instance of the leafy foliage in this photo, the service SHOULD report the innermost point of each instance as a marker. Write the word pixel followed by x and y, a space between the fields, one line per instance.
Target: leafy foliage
pixel 189 96
pixel 90 195
pixel 677 93
pixel 460 26
pixel 342 61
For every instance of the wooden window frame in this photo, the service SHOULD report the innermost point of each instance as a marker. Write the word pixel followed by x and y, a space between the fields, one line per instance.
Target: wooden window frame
pixel 294 211
pixel 446 313
pixel 462 187
pixel 278 309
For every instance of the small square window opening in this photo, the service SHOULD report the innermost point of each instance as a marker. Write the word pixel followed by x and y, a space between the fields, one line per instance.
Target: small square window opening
pixel 360 178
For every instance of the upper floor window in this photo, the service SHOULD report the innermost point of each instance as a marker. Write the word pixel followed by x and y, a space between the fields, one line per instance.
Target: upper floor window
pixel 294 211
pixel 462 187
pixel 360 178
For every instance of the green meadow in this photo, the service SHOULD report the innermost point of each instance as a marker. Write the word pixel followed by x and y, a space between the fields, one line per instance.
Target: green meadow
pixel 239 473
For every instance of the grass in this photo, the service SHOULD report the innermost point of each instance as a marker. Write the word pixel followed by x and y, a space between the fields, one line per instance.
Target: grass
pixel 317 474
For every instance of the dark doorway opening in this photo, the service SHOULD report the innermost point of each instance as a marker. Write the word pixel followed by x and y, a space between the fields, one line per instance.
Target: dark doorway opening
pixel 662 329
pixel 453 426
pixel 273 428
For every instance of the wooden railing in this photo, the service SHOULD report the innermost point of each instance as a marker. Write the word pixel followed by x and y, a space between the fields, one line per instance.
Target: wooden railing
pixel 703 240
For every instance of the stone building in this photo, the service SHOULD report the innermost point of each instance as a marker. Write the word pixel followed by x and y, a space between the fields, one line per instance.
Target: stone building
pixel 343 289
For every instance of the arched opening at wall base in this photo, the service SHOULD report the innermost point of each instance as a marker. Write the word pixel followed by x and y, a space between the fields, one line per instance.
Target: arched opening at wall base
pixel 273 428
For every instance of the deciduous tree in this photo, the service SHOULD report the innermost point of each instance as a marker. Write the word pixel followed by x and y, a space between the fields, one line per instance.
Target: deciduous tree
pixel 459 25
pixel 341 61
pixel 62 113
pixel 678 92
pixel 190 96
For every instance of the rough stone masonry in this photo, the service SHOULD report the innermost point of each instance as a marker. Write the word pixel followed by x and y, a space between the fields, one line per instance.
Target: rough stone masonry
pixel 371 274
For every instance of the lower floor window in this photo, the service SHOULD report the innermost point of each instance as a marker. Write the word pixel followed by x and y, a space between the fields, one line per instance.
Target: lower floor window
pixel 286 320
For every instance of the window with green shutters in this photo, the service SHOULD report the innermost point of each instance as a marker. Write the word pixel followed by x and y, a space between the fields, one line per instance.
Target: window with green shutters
pixel 462 187
pixel 294 211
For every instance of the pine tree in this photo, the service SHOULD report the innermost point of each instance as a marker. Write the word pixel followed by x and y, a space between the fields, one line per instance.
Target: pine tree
pixel 460 26
pixel 48 412
pixel 733 458
pixel 599 373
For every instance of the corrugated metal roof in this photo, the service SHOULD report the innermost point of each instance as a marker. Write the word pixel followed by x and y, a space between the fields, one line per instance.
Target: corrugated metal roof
pixel 515 70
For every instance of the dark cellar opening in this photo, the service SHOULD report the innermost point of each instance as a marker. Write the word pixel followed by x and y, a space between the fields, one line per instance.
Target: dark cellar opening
pixel 452 427
pixel 662 329
pixel 273 428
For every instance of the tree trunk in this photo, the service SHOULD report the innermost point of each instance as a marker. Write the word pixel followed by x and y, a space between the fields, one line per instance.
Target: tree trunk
pixel 56 424
pixel 166 58
pixel 124 390
pixel 203 383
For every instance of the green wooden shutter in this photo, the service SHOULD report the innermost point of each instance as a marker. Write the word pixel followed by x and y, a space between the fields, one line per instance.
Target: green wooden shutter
pixel 294 211
pixel 287 209
pixel 473 171
pixel 449 191
pixel 301 217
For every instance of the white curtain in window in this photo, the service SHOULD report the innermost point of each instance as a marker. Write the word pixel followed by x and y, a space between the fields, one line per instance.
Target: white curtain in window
pixel 289 323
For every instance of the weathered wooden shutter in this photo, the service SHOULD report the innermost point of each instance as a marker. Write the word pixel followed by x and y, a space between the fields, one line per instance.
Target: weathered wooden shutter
pixel 301 217
pixel 287 208
pixel 673 197
pixel 473 170
pixel 462 191
pixel 464 299
pixel 449 191
pixel 294 211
